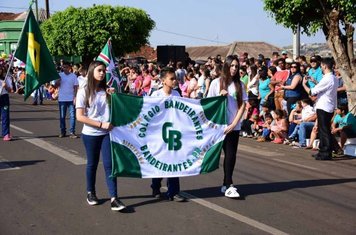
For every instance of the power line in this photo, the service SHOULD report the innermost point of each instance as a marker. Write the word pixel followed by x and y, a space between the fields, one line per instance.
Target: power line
pixel 189 36
pixel 17 8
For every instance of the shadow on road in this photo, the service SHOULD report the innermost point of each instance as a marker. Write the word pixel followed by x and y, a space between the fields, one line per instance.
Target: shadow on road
pixel 13 164
pixel 253 189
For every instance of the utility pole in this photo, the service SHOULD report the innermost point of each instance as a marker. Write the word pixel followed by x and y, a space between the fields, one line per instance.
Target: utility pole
pixel 296 43
pixel 47 9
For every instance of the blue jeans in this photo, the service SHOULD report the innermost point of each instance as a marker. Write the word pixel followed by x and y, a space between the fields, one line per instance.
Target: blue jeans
pixel 305 129
pixel 38 98
pixel 295 132
pixel 93 146
pixel 5 114
pixel 172 185
pixel 63 106
pixel 291 128
pixel 266 132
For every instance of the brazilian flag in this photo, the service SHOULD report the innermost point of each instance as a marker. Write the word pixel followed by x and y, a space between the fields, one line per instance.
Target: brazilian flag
pixel 32 50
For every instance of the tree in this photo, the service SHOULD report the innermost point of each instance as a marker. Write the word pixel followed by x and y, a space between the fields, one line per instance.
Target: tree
pixel 335 18
pixel 84 31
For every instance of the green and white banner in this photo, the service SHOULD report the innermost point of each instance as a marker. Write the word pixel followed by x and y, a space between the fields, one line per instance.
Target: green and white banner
pixel 166 137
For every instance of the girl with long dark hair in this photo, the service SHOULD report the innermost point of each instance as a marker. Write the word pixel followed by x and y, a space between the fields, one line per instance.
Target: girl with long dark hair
pixel 93 110
pixel 229 85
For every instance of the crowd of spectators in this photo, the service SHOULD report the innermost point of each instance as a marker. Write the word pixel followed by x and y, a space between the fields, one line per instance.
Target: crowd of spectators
pixel 279 108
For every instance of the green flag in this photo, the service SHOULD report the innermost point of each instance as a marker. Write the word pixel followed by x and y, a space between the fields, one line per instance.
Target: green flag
pixel 32 50
pixel 113 78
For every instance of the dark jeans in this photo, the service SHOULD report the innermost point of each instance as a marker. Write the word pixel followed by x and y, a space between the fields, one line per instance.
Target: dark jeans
pixel 5 114
pixel 93 146
pixel 230 144
pixel 172 185
pixel 63 107
pixel 324 131
pixel 290 102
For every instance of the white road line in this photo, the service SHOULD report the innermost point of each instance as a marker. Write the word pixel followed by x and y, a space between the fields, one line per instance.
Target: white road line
pixel 294 164
pixel 20 129
pixel 60 152
pixel 234 215
pixel 5 165
pixel 73 158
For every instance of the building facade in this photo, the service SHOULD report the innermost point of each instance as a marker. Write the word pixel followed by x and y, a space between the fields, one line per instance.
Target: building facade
pixel 10 31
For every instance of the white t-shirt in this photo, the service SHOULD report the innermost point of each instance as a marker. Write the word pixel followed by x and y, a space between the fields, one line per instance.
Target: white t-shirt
pixel 201 84
pixel 307 112
pixel 161 93
pixel 82 81
pixel 232 107
pixel 98 111
pixel 8 82
pixel 66 88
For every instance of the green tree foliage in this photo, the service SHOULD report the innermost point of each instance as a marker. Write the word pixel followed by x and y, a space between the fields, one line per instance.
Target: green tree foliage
pixel 335 18
pixel 84 31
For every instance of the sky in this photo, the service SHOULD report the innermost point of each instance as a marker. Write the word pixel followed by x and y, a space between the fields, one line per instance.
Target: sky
pixel 193 22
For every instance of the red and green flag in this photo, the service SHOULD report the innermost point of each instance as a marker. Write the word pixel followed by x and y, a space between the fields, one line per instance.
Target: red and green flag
pixel 113 78
pixel 32 50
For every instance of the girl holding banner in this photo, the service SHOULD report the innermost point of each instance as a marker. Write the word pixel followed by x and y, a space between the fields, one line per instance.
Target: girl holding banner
pixel 229 85
pixel 93 110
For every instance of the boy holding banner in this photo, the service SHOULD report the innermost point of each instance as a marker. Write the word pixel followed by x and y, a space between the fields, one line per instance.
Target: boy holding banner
pixel 169 81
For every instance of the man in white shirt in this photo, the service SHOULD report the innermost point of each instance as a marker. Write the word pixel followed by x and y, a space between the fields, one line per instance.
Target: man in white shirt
pixel 68 85
pixel 326 92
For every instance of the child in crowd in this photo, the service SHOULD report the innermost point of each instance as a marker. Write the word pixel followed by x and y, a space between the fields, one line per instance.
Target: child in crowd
pixel 266 109
pixel 184 87
pixel 251 119
pixel 307 115
pixel 279 128
pixel 344 124
pixel 294 119
pixel 192 88
pixel 266 131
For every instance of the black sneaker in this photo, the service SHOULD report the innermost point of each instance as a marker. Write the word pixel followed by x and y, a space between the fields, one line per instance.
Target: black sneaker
pixel 117 205
pixel 62 135
pixel 178 198
pixel 156 193
pixel 73 136
pixel 92 199
pixel 322 158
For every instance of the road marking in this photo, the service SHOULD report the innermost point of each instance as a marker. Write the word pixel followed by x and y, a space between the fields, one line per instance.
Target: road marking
pixel 60 152
pixel 232 214
pixel 20 129
pixel 5 165
pixel 73 158
pixel 294 164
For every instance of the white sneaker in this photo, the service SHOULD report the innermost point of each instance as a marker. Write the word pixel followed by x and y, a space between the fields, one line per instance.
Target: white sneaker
pixel 232 192
pixel 223 188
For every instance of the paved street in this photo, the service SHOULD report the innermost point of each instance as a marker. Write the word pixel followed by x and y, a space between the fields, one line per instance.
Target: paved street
pixel 42 189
